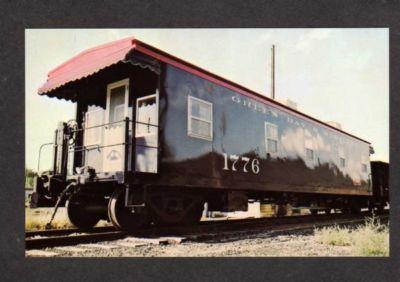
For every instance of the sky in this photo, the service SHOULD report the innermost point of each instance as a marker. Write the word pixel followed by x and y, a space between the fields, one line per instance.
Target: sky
pixel 339 75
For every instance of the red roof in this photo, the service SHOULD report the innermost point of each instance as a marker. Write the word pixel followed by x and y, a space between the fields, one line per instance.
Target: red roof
pixel 87 62
pixel 93 60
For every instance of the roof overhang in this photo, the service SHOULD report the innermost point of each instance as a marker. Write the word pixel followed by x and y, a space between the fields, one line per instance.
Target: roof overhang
pixel 87 63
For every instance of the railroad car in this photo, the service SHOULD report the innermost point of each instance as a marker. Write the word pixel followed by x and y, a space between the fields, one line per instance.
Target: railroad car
pixel 155 137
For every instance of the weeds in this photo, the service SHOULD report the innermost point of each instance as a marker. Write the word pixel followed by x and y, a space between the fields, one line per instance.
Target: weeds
pixel 36 219
pixel 335 236
pixel 370 239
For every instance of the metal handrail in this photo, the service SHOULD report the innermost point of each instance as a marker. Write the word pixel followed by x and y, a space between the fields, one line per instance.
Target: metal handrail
pixel 128 141
pixel 105 146
pixel 96 126
pixel 97 147
pixel 114 122
pixel 40 152
pixel 82 148
pixel 110 145
pixel 144 123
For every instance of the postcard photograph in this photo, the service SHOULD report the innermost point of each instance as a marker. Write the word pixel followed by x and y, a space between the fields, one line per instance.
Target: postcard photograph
pixel 246 142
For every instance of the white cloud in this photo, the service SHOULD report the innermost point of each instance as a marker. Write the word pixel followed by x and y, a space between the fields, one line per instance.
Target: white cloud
pixel 319 34
pixel 264 37
pixel 292 141
pixel 309 39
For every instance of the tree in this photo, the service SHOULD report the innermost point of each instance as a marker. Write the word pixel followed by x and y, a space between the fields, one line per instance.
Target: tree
pixel 29 177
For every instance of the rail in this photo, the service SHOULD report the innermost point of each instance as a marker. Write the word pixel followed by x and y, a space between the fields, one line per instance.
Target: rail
pixel 205 230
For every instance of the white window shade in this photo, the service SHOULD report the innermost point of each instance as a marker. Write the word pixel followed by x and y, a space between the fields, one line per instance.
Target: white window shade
pixel 271 138
pixel 119 112
pixel 342 157
pixel 342 162
pixel 117 104
pixel 200 109
pixel 363 167
pixel 147 116
pixel 309 154
pixel 201 127
pixel 200 124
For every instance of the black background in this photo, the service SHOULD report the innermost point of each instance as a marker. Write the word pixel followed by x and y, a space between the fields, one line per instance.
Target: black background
pixel 18 15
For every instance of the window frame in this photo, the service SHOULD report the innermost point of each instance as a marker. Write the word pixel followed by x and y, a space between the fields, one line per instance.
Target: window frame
pixel 190 117
pixel 309 144
pixel 342 155
pixel 344 162
pixel 266 137
pixel 363 165
pixel 124 82
pixel 138 122
pixel 312 154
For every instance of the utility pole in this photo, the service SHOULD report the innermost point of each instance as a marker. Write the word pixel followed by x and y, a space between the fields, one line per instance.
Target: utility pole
pixel 273 72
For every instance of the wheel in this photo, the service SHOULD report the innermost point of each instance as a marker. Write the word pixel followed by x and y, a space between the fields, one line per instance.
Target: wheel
pixel 34 201
pixel 281 210
pixel 195 214
pixel 355 210
pixel 78 214
pixel 313 212
pixel 175 208
pixel 327 211
pixel 379 209
pixel 370 207
pixel 345 211
pixel 124 218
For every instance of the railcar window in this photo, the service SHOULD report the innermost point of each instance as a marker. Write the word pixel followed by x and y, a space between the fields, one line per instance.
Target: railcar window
pixel 117 104
pixel 310 154
pixel 119 112
pixel 200 124
pixel 271 137
pixel 342 162
pixel 364 168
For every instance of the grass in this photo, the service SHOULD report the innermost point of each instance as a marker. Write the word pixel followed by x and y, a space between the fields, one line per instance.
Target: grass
pixel 370 239
pixel 40 223
pixel 36 219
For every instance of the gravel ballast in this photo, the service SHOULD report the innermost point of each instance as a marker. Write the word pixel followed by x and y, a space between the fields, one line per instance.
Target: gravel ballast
pixel 260 245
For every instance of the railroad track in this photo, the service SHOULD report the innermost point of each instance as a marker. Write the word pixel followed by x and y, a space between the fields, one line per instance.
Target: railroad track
pixel 207 230
pixel 69 231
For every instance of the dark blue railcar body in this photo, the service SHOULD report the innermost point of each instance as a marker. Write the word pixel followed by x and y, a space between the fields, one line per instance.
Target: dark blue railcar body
pixel 238 124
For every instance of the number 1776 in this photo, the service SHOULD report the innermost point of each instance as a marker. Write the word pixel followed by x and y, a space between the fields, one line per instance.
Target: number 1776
pixel 234 159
